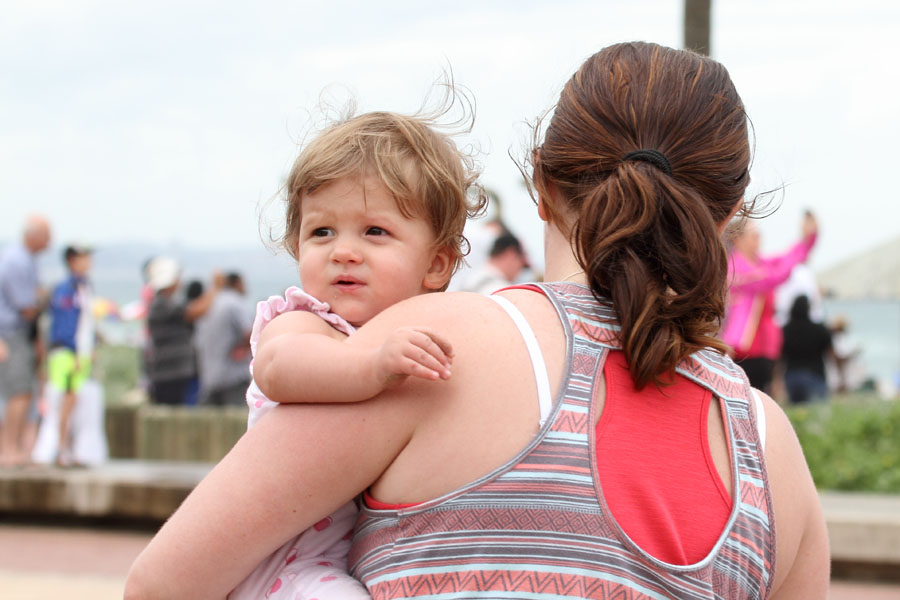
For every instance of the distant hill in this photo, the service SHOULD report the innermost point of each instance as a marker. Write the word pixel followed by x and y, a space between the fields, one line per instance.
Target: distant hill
pixel 872 275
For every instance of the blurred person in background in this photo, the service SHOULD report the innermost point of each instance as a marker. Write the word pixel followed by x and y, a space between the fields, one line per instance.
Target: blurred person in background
pixel 193 290
pixel 71 341
pixel 139 310
pixel 169 320
pixel 802 282
pixel 506 261
pixel 481 231
pixel 750 328
pixel 846 373
pixel 21 301
pixel 222 344
pixel 806 344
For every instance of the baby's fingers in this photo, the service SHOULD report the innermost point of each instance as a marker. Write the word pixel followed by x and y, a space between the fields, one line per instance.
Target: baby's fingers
pixel 427 353
pixel 440 341
pixel 417 367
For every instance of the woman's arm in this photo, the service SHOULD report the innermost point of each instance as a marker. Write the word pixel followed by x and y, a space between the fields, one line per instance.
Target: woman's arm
pixel 293 468
pixel 300 462
pixel 199 306
pixel 300 358
pixel 770 272
pixel 802 564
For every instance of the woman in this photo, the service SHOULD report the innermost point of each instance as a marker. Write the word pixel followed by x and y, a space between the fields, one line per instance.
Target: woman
pixel 578 464
pixel 750 328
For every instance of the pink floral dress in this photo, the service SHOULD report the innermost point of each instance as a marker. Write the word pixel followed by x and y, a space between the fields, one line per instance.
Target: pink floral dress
pixel 313 565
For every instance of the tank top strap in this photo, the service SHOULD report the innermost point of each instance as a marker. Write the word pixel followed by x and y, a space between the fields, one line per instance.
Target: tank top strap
pixel 545 399
pixel 760 420
pixel 590 321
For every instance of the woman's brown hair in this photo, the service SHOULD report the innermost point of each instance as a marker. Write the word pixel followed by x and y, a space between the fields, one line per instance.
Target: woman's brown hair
pixel 648 240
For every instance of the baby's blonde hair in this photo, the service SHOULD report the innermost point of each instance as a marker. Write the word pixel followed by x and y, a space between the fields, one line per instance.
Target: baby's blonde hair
pixel 429 177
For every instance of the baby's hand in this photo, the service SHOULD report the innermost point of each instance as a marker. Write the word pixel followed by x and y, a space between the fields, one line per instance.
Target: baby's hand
pixel 416 351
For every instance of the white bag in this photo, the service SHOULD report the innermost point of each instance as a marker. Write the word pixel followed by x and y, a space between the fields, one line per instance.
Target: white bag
pixel 86 426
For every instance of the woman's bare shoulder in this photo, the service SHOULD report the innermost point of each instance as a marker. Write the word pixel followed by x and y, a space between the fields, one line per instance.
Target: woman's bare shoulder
pixel 802 565
pixel 461 311
pixel 478 419
pixel 454 303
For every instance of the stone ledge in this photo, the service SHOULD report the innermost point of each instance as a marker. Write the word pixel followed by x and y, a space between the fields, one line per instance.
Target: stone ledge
pixel 119 489
pixel 863 528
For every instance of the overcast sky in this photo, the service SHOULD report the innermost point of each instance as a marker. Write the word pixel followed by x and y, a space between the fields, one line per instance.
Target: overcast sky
pixel 174 121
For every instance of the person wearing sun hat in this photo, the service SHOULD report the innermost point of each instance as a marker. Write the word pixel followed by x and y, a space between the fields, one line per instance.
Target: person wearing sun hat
pixel 169 319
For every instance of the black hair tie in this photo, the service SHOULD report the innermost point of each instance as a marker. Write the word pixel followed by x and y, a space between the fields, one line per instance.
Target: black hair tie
pixel 654 157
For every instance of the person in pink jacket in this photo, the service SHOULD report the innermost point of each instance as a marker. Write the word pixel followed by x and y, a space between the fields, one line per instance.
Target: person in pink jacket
pixel 750 328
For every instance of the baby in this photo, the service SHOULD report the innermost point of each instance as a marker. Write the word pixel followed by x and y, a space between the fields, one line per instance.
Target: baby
pixel 375 215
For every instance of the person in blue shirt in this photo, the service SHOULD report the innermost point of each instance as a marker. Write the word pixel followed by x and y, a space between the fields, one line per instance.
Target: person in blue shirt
pixel 21 302
pixel 72 337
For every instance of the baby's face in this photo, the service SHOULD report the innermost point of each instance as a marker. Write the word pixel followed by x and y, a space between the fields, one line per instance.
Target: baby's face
pixel 358 252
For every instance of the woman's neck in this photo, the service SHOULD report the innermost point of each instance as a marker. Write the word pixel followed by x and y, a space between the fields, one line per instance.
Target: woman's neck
pixel 560 261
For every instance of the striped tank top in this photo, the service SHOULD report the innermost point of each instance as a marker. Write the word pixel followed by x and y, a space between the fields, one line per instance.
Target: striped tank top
pixel 539 528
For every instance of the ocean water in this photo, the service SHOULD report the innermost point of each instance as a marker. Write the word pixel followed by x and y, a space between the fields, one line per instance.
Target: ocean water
pixel 875 326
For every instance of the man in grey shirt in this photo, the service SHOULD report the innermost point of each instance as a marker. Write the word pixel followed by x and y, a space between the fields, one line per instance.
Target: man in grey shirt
pixel 170 321
pixel 222 344
pixel 21 301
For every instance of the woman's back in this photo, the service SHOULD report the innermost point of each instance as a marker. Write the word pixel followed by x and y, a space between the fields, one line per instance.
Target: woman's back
pixel 540 523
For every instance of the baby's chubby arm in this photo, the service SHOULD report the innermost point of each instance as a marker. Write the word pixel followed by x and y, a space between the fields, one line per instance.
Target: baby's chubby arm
pixel 300 358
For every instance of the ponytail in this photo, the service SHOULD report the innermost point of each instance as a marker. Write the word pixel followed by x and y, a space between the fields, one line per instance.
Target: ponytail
pixel 649 153
pixel 651 248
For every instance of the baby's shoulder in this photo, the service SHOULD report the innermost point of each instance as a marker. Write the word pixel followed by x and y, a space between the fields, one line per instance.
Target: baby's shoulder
pixel 296 311
pixel 300 321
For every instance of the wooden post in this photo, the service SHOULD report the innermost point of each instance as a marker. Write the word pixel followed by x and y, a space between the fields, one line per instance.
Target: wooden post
pixel 696 26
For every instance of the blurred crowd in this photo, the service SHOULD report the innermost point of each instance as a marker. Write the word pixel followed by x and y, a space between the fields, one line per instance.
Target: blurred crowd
pixel 195 348
pixel 776 324
pixel 53 409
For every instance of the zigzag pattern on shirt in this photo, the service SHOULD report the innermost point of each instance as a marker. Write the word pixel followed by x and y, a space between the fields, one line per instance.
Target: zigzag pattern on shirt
pixel 468 584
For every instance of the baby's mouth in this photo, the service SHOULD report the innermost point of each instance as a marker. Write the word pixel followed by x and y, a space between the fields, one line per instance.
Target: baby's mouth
pixel 346 282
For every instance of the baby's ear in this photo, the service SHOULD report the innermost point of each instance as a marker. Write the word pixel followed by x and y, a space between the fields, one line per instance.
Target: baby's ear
pixel 438 275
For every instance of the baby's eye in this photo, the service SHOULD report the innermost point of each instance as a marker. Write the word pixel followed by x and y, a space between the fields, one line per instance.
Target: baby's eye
pixel 322 232
pixel 376 231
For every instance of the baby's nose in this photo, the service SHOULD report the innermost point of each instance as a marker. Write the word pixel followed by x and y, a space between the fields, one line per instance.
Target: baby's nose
pixel 345 251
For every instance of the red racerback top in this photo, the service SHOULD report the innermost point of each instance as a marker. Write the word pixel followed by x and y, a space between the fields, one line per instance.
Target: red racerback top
pixel 660 482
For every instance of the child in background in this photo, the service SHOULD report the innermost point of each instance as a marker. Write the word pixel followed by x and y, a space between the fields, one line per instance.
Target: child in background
pixel 376 207
pixel 72 338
